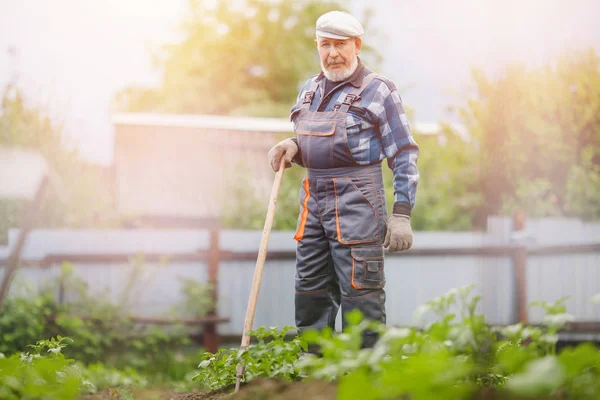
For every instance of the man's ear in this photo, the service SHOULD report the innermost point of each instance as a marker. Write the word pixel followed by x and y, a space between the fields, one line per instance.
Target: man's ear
pixel 317 43
pixel 358 43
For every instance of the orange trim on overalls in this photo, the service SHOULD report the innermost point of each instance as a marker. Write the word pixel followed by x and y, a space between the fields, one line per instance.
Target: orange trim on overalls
pixel 300 233
pixel 352 278
pixel 337 217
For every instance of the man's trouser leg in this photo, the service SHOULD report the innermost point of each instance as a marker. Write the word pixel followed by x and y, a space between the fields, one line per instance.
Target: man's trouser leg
pixel 355 223
pixel 360 272
pixel 317 297
pixel 325 266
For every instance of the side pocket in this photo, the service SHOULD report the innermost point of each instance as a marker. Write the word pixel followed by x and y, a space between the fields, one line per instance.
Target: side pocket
pixel 367 267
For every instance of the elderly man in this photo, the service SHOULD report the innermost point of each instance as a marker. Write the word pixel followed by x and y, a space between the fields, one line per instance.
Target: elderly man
pixel 347 119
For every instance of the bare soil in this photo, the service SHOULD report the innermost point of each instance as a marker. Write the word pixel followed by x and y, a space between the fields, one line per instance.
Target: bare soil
pixel 268 389
pixel 263 389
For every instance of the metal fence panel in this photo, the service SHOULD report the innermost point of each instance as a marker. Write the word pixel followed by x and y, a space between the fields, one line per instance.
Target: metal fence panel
pixel 411 279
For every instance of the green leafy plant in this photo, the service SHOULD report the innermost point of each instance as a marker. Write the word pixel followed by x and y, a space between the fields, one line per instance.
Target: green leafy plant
pixel 101 330
pixel 42 373
pixel 23 320
pixel 272 356
pixel 555 319
pixel 456 356
pixel 99 377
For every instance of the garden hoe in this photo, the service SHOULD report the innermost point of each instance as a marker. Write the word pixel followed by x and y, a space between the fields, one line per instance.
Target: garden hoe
pixel 258 270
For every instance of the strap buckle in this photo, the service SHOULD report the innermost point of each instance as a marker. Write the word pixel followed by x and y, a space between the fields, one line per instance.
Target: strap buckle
pixel 350 98
pixel 308 97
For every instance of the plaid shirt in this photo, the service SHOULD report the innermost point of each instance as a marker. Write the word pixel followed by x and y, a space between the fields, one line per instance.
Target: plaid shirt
pixel 377 128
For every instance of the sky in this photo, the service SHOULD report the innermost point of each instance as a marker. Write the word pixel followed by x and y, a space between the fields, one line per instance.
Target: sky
pixel 71 56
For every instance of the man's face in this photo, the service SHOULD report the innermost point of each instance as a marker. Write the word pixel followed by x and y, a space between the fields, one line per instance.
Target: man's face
pixel 338 57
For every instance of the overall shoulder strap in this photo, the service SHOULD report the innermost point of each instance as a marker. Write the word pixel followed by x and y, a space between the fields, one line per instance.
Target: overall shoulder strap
pixel 309 95
pixel 354 93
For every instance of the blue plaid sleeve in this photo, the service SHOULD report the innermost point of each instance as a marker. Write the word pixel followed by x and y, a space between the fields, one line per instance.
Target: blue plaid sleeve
pixel 399 147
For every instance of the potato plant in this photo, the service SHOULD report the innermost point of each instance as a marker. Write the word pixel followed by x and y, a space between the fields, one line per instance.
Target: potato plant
pixel 454 356
pixel 457 356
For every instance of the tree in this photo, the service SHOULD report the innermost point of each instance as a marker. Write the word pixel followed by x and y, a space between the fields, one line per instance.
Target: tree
pixel 446 198
pixel 538 132
pixel 246 60
pixel 251 61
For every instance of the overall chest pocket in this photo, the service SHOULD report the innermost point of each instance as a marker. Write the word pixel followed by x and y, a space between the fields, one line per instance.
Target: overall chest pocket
pixel 318 127
pixel 316 139
pixel 357 216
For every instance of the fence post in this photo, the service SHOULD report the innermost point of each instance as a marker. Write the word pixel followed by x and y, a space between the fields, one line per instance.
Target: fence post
pixel 520 264
pixel 28 218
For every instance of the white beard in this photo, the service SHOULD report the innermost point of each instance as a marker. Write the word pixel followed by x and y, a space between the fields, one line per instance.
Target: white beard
pixel 338 76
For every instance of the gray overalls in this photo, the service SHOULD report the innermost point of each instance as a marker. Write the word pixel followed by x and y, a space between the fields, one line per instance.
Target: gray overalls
pixel 342 223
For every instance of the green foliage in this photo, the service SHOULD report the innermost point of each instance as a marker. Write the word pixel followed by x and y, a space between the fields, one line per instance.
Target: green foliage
pixel 271 356
pixel 247 209
pixel 583 186
pixel 23 125
pixel 537 137
pixel 98 376
pixel 581 369
pixel 197 299
pixel 533 147
pixel 10 216
pixel 100 330
pixel 447 198
pixel 245 60
pixel 79 195
pixel 23 320
pixel 540 377
pixel 43 373
pixel 430 374
pixel 456 356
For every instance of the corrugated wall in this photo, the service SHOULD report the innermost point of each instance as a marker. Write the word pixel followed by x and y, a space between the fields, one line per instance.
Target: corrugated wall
pixel 411 280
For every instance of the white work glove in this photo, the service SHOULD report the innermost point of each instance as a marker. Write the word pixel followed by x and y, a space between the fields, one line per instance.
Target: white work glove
pixel 399 236
pixel 287 149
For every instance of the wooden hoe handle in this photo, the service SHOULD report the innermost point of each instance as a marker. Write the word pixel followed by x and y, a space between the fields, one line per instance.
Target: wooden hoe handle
pixel 258 270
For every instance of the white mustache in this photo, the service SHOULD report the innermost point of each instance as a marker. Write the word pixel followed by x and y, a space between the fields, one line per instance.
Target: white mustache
pixel 335 62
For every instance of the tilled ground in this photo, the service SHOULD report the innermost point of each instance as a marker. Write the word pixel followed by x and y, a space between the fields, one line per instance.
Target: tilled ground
pixel 263 389
pixel 266 389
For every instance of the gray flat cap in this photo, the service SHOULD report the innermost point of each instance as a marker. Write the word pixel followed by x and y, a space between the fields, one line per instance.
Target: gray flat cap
pixel 338 25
